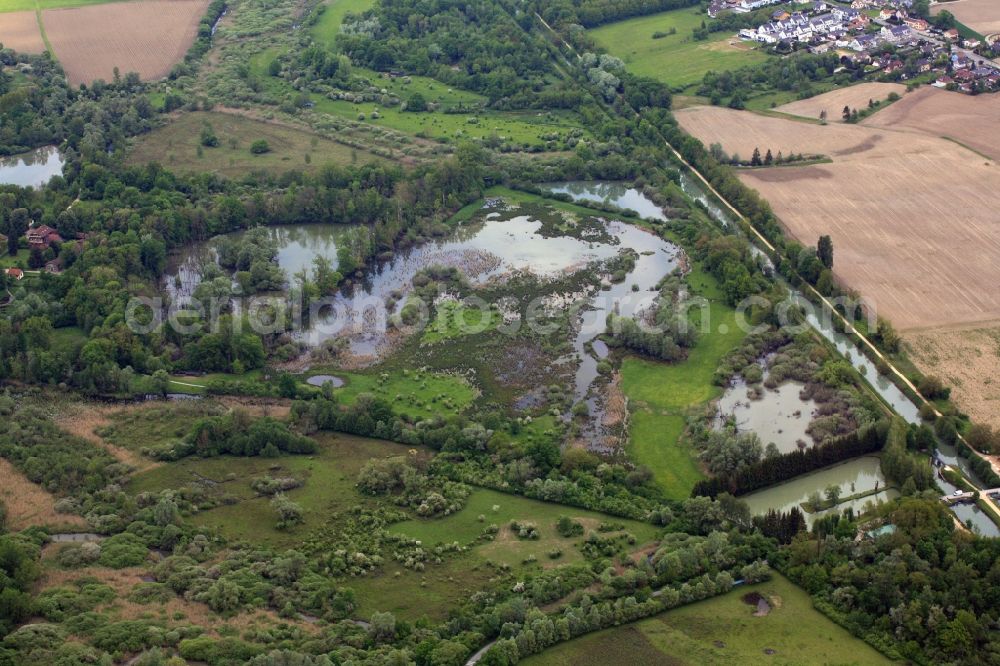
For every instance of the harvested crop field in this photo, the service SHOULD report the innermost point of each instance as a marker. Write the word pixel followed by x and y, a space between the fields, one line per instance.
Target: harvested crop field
pixel 19 31
pixel 28 503
pixel 981 15
pixel 147 37
pixel 833 102
pixel 973 121
pixel 912 216
pixel 968 360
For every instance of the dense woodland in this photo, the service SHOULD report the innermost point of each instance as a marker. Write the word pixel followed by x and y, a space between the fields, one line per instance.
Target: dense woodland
pixel 928 592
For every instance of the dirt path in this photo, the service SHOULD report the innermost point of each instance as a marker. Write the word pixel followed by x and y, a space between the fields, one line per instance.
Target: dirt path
pixel 28 503
pixel 83 419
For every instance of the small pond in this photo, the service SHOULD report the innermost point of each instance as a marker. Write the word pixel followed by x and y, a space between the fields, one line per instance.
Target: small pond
pixel 32 169
pixel 855 476
pixel 321 380
pixel 616 194
pixel 779 415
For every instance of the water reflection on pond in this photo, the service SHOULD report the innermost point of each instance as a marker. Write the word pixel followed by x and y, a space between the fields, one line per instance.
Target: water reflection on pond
pixel 778 416
pixel 852 477
pixel 321 380
pixel 32 169
pixel 615 194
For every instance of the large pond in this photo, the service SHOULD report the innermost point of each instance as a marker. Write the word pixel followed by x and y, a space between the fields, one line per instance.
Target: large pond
pixel 484 249
pixel 779 415
pixel 32 169
pixel 616 194
pixel 852 477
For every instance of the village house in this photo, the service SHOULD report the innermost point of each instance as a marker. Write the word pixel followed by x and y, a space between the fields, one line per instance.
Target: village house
pixel 971 43
pixel 14 273
pixel 917 23
pixel 863 43
pixel 897 34
pixel 951 35
pixel 943 81
pixel 923 65
pixel 42 237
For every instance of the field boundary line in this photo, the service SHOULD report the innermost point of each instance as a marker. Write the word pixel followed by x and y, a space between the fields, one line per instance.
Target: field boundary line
pixel 41 31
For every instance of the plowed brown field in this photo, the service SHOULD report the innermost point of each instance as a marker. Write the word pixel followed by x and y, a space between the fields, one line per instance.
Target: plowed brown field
pixel 19 31
pixel 833 102
pixel 913 217
pixel 980 15
pixel 972 121
pixel 147 37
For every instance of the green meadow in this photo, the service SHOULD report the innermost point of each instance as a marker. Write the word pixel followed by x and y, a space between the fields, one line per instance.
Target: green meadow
pixel 723 630
pixel 325 30
pixel 660 394
pixel 489 507
pixel 330 477
pixel 676 59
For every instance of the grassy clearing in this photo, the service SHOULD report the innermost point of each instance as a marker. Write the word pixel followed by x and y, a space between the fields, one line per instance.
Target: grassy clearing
pixel 328 26
pixel 156 425
pixel 411 595
pixel 676 59
pixel 500 509
pixel 432 90
pixel 660 394
pixel 29 5
pixel 330 476
pixel 412 392
pixel 19 260
pixel 176 145
pixel 723 630
pixel 455 320
pixel 523 128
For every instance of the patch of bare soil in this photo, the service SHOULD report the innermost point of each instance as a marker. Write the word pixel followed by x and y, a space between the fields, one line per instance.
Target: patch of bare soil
pixel 833 102
pixel 968 360
pixel 28 503
pixel 19 31
pixel 144 36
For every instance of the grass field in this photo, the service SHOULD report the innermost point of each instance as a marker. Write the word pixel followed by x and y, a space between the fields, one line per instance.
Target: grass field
pixel 522 128
pixel 500 509
pixel 176 146
pixel 722 630
pixel 661 393
pixel 330 477
pixel 158 425
pixel 326 28
pixel 32 5
pixel 676 59
pixel 415 393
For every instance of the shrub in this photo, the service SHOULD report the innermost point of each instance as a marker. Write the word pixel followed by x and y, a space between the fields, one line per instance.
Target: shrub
pixel 259 147
pixel 123 550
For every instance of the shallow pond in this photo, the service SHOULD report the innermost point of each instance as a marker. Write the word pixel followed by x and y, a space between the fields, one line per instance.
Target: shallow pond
pixel 299 245
pixel 778 416
pixel 320 380
pixel 852 477
pixel 32 169
pixel 616 194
